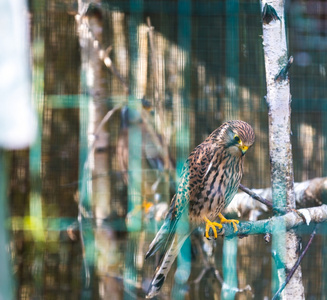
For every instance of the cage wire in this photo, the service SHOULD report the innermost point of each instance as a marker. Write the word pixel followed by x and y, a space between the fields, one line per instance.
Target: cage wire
pixel 168 73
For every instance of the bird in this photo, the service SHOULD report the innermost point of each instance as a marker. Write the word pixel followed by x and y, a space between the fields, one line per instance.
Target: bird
pixel 209 180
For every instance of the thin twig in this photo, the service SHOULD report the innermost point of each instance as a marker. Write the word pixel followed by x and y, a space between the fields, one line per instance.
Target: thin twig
pixel 210 266
pixel 279 210
pixel 203 272
pixel 105 119
pixel 255 196
pixel 291 273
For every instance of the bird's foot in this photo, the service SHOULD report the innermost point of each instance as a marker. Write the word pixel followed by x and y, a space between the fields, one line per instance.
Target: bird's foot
pixel 213 226
pixel 231 221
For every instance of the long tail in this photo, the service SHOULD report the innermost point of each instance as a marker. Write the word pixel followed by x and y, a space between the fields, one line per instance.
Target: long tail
pixel 162 239
pixel 165 265
pixel 165 234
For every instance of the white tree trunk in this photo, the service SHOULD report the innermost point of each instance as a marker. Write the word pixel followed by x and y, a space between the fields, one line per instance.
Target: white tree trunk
pixel 280 149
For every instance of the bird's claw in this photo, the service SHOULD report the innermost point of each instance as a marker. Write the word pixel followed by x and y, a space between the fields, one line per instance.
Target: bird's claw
pixel 231 221
pixel 212 226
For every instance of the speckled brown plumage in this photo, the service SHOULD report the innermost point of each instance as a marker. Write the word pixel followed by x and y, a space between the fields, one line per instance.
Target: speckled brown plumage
pixel 209 181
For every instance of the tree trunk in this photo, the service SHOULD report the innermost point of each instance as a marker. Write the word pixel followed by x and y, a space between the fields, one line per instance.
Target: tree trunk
pixel 285 246
pixel 94 196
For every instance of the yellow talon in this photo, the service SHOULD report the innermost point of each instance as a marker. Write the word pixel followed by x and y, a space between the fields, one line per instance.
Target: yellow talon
pixel 232 221
pixel 213 226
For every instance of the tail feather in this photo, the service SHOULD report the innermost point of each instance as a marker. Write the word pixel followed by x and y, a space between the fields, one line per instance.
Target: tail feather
pixel 162 239
pixel 169 240
pixel 166 233
pixel 165 265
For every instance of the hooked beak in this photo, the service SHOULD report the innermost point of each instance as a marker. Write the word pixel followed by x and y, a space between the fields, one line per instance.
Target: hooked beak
pixel 243 148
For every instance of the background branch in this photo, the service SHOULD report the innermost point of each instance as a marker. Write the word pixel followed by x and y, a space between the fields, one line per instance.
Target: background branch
pixel 307 194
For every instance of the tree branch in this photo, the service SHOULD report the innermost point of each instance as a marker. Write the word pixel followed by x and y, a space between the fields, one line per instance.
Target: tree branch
pixel 255 196
pixel 307 194
pixel 291 220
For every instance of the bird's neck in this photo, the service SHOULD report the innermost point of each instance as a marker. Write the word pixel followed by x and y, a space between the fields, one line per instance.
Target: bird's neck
pixel 235 153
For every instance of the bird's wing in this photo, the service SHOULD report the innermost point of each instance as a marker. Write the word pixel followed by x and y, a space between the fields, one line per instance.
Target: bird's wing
pixel 193 174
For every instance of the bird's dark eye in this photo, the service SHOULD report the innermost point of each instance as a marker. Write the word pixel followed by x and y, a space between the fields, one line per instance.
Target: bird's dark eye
pixel 236 139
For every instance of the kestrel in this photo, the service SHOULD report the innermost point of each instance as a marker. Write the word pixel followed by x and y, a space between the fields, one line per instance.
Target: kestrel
pixel 210 179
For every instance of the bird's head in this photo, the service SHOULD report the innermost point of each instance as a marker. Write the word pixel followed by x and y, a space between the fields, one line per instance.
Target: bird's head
pixel 236 137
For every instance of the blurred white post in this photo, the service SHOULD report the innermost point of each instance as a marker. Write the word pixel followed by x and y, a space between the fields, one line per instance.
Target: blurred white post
pixel 17 119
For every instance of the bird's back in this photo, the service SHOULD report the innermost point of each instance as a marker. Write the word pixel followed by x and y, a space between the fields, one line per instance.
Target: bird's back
pixel 218 186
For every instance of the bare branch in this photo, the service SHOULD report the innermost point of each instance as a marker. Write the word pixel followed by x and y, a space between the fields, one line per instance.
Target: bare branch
pixel 255 196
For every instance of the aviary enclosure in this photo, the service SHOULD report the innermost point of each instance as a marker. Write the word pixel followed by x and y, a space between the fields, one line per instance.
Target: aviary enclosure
pixel 123 91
